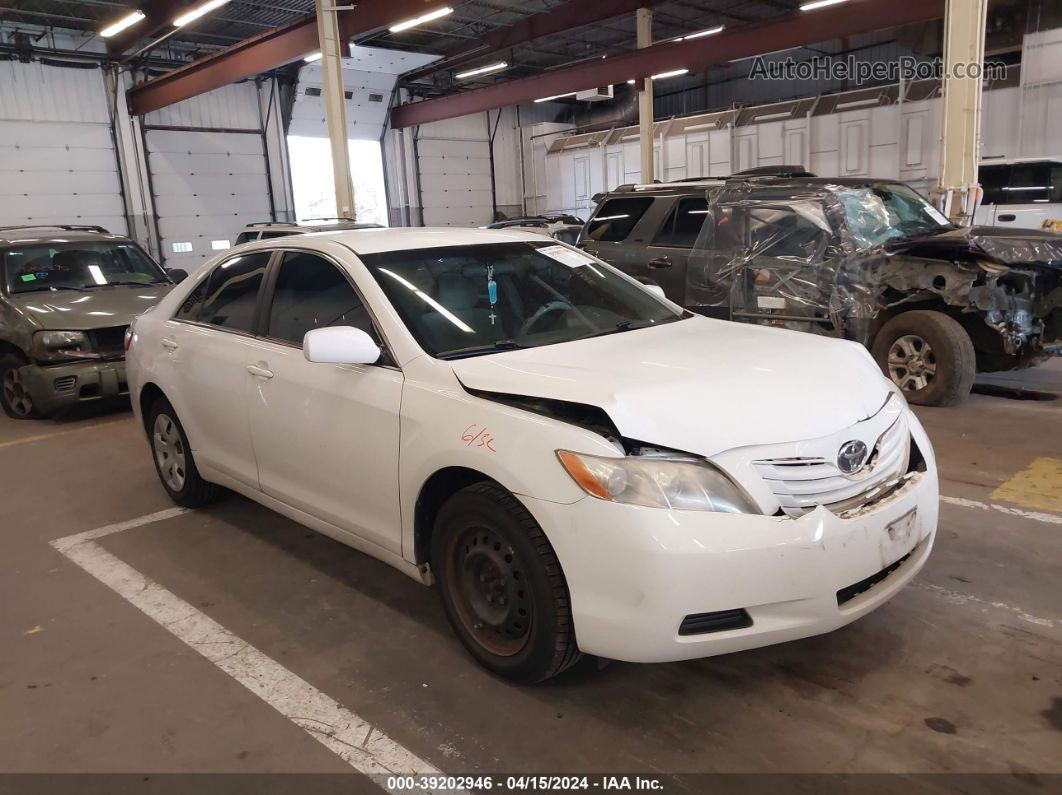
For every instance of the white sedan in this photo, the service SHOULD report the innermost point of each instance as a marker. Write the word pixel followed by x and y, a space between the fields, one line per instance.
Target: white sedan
pixel 578 464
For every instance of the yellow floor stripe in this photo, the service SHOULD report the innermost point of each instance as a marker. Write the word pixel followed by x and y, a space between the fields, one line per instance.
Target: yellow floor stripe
pixel 1039 485
pixel 43 436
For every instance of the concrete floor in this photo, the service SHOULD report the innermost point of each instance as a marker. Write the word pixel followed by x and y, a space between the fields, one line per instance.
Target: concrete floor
pixel 962 672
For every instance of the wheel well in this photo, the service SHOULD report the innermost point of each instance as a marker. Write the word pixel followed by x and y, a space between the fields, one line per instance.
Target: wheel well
pixel 433 494
pixel 7 348
pixel 149 393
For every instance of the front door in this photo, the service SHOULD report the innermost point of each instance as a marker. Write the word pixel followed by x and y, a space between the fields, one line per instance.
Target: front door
pixel 325 435
pixel 667 256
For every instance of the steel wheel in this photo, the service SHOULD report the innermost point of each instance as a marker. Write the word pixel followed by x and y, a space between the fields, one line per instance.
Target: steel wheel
pixel 490 590
pixel 16 396
pixel 169 452
pixel 912 363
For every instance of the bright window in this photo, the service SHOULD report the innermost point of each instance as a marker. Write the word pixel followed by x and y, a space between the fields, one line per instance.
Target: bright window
pixel 311 179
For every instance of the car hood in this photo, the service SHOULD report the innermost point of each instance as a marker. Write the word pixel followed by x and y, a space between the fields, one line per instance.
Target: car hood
pixel 1005 245
pixel 698 385
pixel 97 307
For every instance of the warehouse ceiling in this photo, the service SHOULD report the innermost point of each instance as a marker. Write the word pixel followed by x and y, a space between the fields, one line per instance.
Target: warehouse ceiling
pixel 241 19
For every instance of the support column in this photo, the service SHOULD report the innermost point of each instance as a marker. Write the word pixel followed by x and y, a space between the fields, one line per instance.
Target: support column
pixel 645 98
pixel 335 105
pixel 960 138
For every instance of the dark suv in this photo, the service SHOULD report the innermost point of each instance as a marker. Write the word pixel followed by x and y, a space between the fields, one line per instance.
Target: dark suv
pixel 67 296
pixel 868 260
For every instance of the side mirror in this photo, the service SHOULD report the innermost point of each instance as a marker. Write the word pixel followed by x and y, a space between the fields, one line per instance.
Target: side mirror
pixel 656 290
pixel 177 275
pixel 340 345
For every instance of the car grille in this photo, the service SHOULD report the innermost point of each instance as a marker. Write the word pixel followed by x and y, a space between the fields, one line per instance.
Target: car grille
pixel 802 484
pixel 108 342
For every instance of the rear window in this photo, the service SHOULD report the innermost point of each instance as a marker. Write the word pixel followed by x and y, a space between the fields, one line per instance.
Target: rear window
pixel 616 218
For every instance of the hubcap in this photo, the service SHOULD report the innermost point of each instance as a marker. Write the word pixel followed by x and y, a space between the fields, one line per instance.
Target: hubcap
pixel 15 394
pixel 912 364
pixel 169 452
pixel 490 590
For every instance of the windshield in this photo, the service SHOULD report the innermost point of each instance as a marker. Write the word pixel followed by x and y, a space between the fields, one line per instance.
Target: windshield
pixel 467 300
pixel 879 213
pixel 77 266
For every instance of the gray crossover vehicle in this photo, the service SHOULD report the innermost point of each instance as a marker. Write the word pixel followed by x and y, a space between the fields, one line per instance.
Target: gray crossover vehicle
pixel 67 296
pixel 864 259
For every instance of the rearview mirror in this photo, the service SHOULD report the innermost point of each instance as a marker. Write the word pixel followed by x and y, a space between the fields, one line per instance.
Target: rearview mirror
pixel 340 345
pixel 655 289
pixel 177 275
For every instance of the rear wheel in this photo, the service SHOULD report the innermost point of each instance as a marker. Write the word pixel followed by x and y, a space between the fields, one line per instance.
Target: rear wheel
pixel 14 395
pixel 173 459
pixel 502 585
pixel 928 355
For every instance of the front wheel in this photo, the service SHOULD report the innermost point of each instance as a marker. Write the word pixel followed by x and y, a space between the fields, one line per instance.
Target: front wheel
pixel 173 459
pixel 928 355
pixel 502 586
pixel 14 395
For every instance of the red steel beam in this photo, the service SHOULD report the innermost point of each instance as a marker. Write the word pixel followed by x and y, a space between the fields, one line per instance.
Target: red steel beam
pixel 801 28
pixel 264 52
pixel 573 14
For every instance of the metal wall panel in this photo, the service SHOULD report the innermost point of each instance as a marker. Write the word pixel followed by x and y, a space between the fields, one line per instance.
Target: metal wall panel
pixel 454 167
pixel 57 159
pixel 232 107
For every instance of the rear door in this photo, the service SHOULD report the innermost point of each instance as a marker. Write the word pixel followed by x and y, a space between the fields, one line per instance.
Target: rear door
pixel 207 343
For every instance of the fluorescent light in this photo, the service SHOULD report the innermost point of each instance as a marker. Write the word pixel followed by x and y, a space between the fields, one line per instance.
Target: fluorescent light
pixel 672 73
pixel 494 67
pixel 700 33
pixel 197 12
pixel 819 4
pixel 856 103
pixel 412 23
pixel 128 20
pixel 631 82
pixel 314 57
pixel 556 96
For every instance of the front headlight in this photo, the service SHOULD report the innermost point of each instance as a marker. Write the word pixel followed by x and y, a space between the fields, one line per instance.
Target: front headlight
pixel 56 346
pixel 681 484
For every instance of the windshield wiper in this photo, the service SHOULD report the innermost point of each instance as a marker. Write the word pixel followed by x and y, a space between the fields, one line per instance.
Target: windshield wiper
pixel 49 287
pixel 479 350
pixel 629 325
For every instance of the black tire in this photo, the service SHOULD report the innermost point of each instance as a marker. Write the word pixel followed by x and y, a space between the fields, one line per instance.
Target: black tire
pixel 948 349
pixel 14 398
pixel 192 491
pixel 526 634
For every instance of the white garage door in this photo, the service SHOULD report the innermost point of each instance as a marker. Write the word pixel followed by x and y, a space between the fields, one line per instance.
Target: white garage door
pixel 57 160
pixel 455 182
pixel 206 184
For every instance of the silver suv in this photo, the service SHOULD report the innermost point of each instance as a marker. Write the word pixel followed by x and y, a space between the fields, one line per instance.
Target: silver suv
pixel 67 296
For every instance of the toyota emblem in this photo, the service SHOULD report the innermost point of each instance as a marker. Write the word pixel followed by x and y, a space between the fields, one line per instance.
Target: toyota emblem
pixel 851 457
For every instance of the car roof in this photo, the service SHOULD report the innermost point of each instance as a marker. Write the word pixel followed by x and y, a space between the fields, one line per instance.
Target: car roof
pixel 55 233
pixel 374 241
pixel 698 187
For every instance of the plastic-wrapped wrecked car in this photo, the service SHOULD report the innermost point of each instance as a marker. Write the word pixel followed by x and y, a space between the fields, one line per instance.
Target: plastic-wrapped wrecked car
pixel 867 260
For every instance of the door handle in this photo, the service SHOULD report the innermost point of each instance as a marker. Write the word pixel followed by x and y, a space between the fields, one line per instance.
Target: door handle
pixel 169 345
pixel 261 372
pixel 660 262
pixel 1006 217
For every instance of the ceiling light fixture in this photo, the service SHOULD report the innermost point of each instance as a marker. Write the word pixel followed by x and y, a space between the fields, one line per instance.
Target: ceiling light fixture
pixel 128 20
pixel 313 57
pixel 412 23
pixel 672 73
pixel 483 70
pixel 701 33
pixel 820 4
pixel 198 11
pixel 556 96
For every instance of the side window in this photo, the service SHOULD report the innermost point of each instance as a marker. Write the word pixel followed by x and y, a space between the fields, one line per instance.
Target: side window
pixel 782 234
pixel 245 237
pixel 232 292
pixel 616 218
pixel 993 180
pixel 312 293
pixel 271 235
pixel 1029 182
pixel 683 224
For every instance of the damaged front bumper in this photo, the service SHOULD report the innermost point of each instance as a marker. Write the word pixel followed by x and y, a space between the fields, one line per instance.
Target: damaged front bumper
pixel 58 386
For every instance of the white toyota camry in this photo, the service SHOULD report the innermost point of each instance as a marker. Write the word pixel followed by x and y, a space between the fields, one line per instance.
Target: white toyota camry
pixel 578 464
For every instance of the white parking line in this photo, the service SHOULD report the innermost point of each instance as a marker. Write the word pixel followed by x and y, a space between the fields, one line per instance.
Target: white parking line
pixel 1036 516
pixel 356 741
